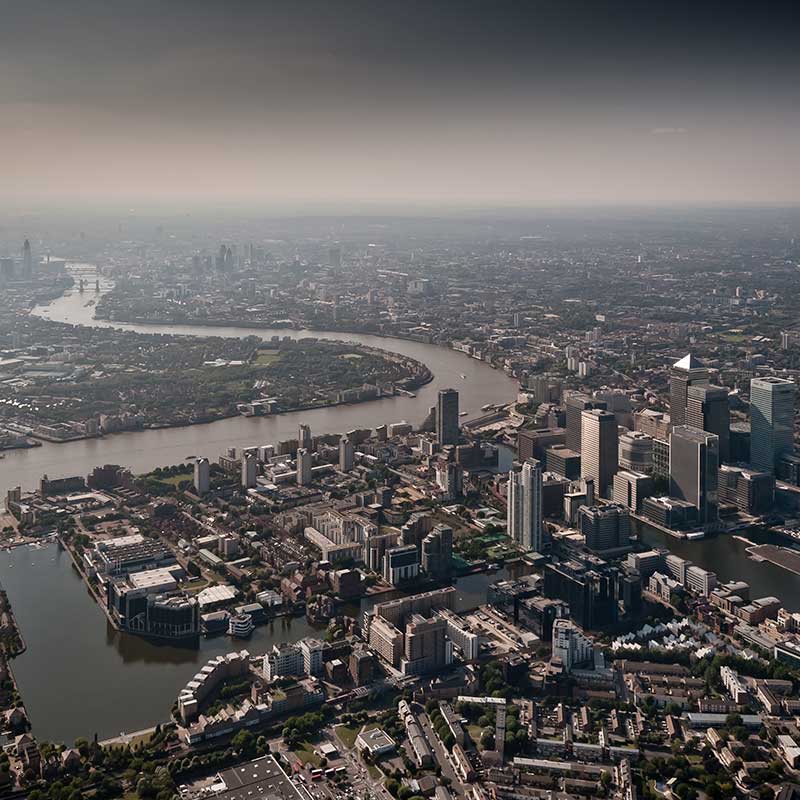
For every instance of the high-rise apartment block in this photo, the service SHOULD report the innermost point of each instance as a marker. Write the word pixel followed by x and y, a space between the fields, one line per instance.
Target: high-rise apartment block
pixel 202 476
pixel 524 516
pixel 447 417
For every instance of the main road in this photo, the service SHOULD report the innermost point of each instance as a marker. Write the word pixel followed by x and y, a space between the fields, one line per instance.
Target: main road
pixel 143 450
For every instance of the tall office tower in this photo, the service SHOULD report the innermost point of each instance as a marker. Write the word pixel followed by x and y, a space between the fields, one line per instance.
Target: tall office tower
pixel 685 373
pixel 771 421
pixel 599 448
pixel 27 260
pixel 575 404
pixel 304 438
pixel 707 408
pixel 437 552
pixel 303 467
pixel 447 417
pixel 636 452
pixel 202 476
pixel 524 514
pixel 335 256
pixel 605 527
pixel 345 454
pixel 693 470
pixel 249 470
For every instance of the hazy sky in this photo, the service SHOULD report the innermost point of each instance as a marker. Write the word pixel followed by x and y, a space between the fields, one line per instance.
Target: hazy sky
pixel 458 103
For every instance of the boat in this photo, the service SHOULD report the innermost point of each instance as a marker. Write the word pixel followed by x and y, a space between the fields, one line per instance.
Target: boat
pixel 463 413
pixel 189 458
pixel 463 376
pixel 487 406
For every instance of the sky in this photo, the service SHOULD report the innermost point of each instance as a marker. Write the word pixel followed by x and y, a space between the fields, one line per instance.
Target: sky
pixel 430 104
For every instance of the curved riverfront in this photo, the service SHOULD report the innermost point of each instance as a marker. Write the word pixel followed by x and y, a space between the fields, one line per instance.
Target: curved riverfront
pixel 142 451
pixel 78 676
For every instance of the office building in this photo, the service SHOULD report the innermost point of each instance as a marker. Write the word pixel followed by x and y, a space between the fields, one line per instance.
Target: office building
pixel 143 611
pixel 304 462
pixel 562 460
pixel 599 448
pixel 693 470
pixel 202 476
pixel 707 408
pixel 661 458
pixel 447 417
pixel 636 452
pixel 524 514
pixel 771 421
pixel 751 492
pixel 590 590
pixel 630 488
pixel 249 470
pixel 575 404
pixel 346 454
pixel 534 443
pixel 685 373
pixel 605 528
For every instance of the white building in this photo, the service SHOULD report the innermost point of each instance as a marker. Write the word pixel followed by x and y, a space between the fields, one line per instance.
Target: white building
pixel 249 470
pixel 312 650
pixel 202 476
pixel 570 646
pixel 524 515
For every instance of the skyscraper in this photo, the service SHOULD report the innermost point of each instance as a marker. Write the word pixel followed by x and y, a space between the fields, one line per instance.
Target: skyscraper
pixel 707 408
pixel 685 373
pixel 437 552
pixel 249 470
pixel 599 448
pixel 27 260
pixel 304 438
pixel 575 404
pixel 447 417
pixel 771 421
pixel 202 476
pixel 693 470
pixel 345 454
pixel 524 516
pixel 304 460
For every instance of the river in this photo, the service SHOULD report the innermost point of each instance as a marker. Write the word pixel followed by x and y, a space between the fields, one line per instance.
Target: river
pixel 144 450
pixel 78 675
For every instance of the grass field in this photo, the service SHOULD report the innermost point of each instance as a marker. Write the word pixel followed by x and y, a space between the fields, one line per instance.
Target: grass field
pixel 347 734
pixel 266 357
pixel 172 480
pixel 305 752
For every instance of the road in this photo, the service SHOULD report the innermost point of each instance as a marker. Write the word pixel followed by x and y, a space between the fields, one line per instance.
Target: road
pixel 442 756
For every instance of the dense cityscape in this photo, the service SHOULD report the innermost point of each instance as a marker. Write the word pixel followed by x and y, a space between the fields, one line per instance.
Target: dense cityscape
pixel 399 401
pixel 594 655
